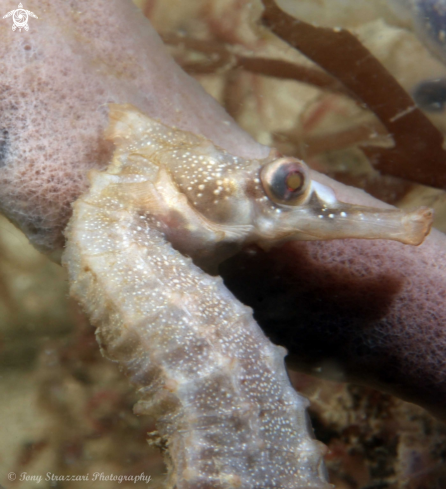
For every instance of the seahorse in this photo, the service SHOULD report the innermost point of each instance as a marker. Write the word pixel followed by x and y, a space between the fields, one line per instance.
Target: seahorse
pixel 143 248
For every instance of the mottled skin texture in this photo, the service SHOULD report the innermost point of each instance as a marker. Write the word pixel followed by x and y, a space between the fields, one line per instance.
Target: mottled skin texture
pixel 52 118
pixel 216 386
pixel 55 83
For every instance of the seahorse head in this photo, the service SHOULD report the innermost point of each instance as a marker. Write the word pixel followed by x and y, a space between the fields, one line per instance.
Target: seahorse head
pixel 210 203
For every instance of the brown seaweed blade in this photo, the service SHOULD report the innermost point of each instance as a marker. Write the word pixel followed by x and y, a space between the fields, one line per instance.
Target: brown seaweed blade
pixel 418 154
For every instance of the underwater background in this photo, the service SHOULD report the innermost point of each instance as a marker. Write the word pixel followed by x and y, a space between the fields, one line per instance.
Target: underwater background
pixel 66 410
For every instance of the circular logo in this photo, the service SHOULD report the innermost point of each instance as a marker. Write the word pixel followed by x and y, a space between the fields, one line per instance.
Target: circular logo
pixel 20 18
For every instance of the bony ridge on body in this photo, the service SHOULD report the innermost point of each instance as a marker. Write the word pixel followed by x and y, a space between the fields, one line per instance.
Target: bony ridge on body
pixel 216 386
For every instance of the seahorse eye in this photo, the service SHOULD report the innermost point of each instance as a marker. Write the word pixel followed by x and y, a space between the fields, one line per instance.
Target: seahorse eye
pixel 286 181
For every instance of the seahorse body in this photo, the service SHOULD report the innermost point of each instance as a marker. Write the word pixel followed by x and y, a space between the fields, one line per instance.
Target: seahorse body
pixel 216 386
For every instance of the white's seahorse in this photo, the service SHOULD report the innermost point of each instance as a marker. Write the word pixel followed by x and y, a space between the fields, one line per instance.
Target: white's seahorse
pixel 170 206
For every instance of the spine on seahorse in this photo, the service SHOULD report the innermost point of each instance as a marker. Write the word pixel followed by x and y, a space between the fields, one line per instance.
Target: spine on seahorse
pixel 216 386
